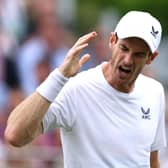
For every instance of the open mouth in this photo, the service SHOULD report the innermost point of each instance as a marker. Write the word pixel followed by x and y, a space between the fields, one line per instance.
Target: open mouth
pixel 124 69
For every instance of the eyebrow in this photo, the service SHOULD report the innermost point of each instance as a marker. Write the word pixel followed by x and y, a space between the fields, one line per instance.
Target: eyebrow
pixel 141 53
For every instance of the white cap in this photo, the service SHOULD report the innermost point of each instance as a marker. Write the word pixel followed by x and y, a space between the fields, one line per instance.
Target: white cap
pixel 141 25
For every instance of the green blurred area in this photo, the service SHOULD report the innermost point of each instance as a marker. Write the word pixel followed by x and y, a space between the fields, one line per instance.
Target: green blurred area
pixel 88 11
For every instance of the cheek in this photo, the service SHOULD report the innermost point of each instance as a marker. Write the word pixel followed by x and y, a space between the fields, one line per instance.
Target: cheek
pixel 139 67
pixel 141 62
pixel 115 54
pixel 114 59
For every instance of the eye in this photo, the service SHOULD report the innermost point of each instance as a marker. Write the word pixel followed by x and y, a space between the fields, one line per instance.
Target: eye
pixel 140 55
pixel 123 47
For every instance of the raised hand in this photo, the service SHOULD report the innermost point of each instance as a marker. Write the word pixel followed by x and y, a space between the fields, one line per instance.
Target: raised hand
pixel 72 62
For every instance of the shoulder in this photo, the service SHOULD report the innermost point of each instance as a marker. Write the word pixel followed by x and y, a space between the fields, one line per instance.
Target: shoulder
pixel 150 84
pixel 83 81
pixel 86 76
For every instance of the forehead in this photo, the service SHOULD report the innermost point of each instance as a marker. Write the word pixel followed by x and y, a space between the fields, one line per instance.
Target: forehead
pixel 136 43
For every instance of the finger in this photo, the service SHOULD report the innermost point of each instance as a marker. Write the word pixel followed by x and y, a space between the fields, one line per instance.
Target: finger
pixel 84 59
pixel 86 38
pixel 77 50
pixel 81 47
pixel 89 35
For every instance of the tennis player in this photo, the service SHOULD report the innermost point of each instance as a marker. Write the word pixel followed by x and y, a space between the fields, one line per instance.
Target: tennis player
pixel 110 116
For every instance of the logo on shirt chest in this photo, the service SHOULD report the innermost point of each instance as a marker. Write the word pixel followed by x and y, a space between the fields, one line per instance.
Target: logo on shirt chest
pixel 145 113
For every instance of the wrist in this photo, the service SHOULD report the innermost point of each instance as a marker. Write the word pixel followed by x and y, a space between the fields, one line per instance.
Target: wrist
pixel 64 72
pixel 52 85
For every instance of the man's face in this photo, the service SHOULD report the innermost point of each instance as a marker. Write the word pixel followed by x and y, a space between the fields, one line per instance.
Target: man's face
pixel 129 56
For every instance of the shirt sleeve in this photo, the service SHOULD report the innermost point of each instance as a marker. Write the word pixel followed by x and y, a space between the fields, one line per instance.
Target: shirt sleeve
pixel 160 137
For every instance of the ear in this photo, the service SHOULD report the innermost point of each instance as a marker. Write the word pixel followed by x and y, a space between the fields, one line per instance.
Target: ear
pixel 112 40
pixel 152 57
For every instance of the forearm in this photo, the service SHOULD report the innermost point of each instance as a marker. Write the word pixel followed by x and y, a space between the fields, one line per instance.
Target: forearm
pixel 155 165
pixel 24 122
pixel 154 160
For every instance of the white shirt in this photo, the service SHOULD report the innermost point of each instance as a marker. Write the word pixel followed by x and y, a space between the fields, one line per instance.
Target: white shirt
pixel 104 128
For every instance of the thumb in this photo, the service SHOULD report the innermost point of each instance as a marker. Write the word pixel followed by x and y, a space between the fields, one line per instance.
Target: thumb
pixel 84 59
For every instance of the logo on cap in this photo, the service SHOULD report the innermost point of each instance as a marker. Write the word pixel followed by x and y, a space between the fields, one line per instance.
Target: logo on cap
pixel 154 32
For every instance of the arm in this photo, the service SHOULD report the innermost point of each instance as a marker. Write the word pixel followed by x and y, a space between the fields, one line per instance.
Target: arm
pixel 25 121
pixel 154 160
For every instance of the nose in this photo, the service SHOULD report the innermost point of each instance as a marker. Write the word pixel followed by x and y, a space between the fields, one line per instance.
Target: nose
pixel 128 59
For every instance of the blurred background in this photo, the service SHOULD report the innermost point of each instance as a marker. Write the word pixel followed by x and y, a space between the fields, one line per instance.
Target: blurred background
pixel 35 35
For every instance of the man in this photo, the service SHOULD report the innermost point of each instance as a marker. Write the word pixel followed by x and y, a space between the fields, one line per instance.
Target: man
pixel 111 116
